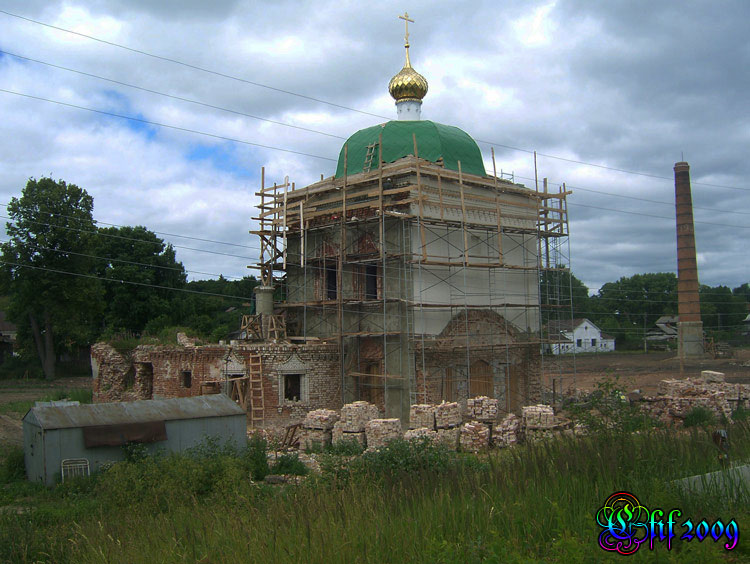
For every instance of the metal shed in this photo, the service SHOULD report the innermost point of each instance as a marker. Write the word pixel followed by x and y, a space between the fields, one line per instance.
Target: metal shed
pixel 96 432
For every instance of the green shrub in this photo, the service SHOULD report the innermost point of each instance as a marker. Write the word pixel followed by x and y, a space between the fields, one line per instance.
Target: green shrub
pixel 13 467
pixel 741 414
pixel 289 464
pixel 17 367
pixel 699 416
pixel 400 456
pixel 256 457
pixel 606 410
pixel 346 447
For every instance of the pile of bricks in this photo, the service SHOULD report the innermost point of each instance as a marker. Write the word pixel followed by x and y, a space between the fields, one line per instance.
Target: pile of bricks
pixel 474 437
pixel 676 398
pixel 420 434
pixel 380 431
pixel 482 409
pixel 447 421
pixel 317 429
pixel 508 431
pixel 354 418
pixel 422 416
pixel 538 416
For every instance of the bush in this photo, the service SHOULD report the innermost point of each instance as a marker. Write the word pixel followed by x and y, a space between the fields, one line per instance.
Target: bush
pixel 289 464
pixel 346 447
pixel 256 457
pixel 699 416
pixel 16 367
pixel 400 456
pixel 606 410
pixel 13 467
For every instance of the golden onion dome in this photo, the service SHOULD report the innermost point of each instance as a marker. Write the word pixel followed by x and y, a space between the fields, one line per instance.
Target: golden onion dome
pixel 408 84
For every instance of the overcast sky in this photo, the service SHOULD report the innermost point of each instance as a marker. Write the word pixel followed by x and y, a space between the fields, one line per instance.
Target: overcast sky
pixel 631 85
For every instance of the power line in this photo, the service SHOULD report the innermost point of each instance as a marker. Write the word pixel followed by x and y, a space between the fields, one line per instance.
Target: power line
pixel 148 122
pixel 341 106
pixel 157 232
pixel 100 233
pixel 656 216
pixel 190 66
pixel 144 284
pixel 172 96
pixel 109 259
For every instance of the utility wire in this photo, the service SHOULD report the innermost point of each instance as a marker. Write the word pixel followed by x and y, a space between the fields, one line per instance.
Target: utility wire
pixel 190 66
pixel 341 106
pixel 171 95
pixel 156 232
pixel 148 122
pixel 144 284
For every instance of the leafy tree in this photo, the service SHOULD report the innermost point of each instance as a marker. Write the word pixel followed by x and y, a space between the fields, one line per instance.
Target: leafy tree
pixel 721 309
pixel 559 288
pixel 632 304
pixel 48 270
pixel 136 255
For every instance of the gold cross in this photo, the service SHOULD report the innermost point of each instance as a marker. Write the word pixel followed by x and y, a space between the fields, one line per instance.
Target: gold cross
pixel 406 19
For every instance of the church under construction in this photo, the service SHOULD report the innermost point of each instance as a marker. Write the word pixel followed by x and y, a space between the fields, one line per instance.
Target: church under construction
pixel 409 276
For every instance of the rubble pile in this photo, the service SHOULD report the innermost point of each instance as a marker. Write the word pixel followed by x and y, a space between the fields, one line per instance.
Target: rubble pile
pixel 320 419
pixel 316 432
pixel 447 415
pixel 508 431
pixel 482 409
pixel 422 416
pixel 474 437
pixel 340 434
pixel 354 416
pixel 380 431
pixel 420 434
pixel 448 437
pixel 676 398
pixel 538 416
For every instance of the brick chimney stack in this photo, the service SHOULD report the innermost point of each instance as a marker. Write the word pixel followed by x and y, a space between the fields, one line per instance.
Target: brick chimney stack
pixel 690 326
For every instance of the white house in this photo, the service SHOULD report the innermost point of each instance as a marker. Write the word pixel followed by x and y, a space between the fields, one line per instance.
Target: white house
pixel 579 336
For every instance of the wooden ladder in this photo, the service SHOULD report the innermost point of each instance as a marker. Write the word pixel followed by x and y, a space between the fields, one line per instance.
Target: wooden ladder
pixel 257 404
pixel 371 149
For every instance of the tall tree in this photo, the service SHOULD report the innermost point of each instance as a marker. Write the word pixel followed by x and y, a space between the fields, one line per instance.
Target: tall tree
pixel 48 270
pixel 559 289
pixel 149 270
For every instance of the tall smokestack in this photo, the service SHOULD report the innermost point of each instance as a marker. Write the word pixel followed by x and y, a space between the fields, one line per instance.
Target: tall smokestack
pixel 690 326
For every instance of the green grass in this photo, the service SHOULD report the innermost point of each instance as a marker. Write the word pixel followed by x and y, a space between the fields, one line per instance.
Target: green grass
pixel 408 503
pixel 82 395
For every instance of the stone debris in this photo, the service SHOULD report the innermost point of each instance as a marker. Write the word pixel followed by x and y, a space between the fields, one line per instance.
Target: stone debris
pixel 538 416
pixel 420 434
pixel 422 416
pixel 355 416
pixel 380 431
pixel 474 437
pixel 678 397
pixel 320 419
pixel 508 431
pixel 340 435
pixel 447 415
pixel 314 439
pixel 711 376
pixel 185 341
pixel 482 408
pixel 448 437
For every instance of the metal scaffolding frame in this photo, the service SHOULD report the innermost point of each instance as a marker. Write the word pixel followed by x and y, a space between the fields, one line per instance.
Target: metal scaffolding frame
pixel 362 258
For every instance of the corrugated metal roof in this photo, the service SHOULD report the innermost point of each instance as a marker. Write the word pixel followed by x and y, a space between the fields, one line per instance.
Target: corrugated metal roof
pixel 57 417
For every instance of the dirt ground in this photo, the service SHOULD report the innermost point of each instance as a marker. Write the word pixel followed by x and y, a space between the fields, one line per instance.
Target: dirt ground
pixel 633 371
pixel 645 371
pixel 11 430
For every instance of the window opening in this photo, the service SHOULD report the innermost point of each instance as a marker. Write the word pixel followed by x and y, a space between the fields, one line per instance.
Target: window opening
pixel 292 387
pixel 186 379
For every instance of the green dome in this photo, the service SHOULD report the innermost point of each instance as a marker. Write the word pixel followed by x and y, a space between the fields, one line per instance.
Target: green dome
pixel 434 140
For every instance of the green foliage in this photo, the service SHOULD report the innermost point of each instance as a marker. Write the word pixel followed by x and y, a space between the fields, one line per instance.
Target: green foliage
pixel 401 456
pixel 346 447
pixel 289 464
pixel 17 367
pixel 606 410
pixel 51 234
pixel 135 452
pixel 741 414
pixel 699 416
pixel 721 309
pixel 12 467
pixel 81 395
pixel 256 457
pixel 561 288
